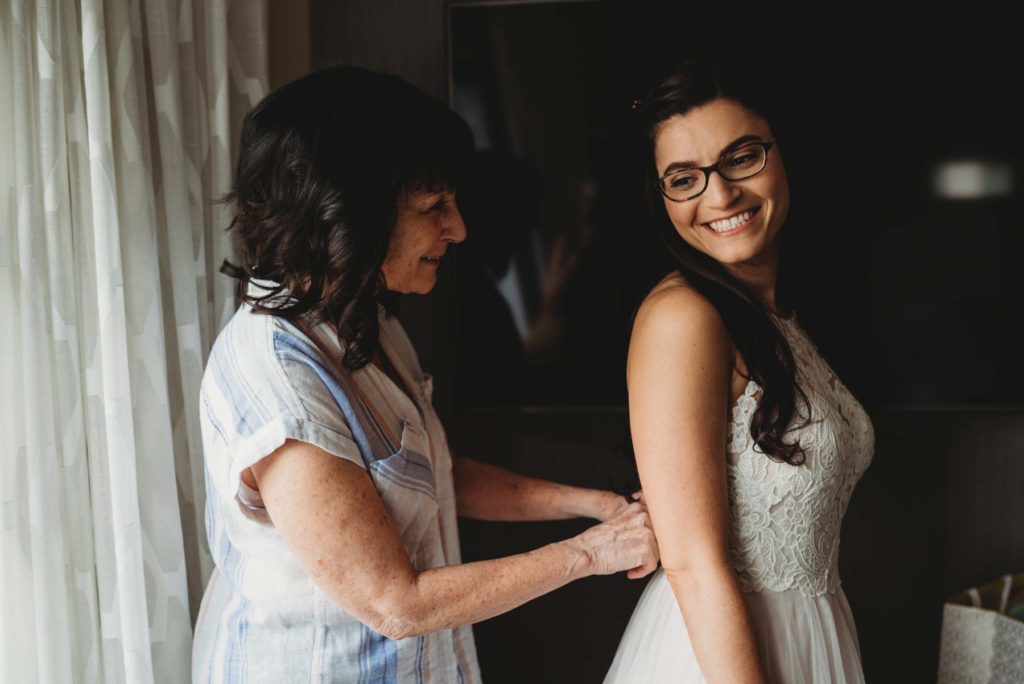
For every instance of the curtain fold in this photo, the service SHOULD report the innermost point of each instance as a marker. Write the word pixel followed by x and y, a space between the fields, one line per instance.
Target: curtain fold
pixel 118 121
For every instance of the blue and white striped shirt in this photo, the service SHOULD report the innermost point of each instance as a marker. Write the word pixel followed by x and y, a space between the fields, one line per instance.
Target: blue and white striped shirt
pixel 262 617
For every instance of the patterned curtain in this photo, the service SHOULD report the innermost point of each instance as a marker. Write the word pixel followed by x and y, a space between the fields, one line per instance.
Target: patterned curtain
pixel 118 120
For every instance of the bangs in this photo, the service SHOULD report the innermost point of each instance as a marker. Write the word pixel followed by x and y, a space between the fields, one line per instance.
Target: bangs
pixel 440 178
pixel 435 152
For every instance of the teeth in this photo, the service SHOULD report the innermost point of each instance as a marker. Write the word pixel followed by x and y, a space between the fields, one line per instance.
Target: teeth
pixel 731 223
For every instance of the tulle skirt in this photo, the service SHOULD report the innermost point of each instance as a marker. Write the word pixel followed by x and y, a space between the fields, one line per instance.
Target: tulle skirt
pixel 801 639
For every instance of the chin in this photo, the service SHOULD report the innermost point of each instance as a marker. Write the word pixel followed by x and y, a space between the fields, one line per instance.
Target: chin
pixel 729 256
pixel 716 252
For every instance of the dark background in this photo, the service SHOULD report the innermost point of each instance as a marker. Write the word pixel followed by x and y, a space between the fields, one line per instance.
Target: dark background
pixel 903 279
pixel 912 299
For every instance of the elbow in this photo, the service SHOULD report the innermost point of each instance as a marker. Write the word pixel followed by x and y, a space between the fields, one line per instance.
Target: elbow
pixel 395 627
pixel 397 617
pixel 695 586
pixel 393 607
pixel 698 573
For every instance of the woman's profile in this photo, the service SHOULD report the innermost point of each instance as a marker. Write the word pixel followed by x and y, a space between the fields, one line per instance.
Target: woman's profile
pixel 332 494
pixel 747 444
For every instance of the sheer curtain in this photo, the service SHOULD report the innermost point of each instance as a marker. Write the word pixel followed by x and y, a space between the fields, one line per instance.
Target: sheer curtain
pixel 118 120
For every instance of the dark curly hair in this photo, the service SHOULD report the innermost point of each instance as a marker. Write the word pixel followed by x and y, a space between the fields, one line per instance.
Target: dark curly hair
pixel 765 349
pixel 323 162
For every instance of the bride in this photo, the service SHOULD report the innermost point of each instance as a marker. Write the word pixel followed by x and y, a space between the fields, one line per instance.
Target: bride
pixel 747 444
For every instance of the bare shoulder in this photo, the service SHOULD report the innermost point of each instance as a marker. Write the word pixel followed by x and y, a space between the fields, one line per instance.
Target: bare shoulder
pixel 673 280
pixel 675 308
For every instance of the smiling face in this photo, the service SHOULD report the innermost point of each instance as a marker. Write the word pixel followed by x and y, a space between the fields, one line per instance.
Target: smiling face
pixel 702 135
pixel 427 223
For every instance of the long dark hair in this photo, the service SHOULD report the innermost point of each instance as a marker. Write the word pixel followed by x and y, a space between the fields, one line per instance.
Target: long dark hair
pixel 322 164
pixel 765 349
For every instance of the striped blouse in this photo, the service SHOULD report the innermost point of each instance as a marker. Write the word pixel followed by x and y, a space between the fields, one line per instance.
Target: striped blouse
pixel 262 618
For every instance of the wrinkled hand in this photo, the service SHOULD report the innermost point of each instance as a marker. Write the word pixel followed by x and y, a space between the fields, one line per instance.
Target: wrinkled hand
pixel 613 504
pixel 625 542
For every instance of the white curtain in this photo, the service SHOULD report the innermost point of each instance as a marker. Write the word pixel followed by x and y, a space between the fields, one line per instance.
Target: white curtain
pixel 118 122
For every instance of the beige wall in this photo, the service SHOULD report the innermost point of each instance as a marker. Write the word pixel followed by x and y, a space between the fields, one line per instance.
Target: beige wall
pixel 288 23
pixel 404 37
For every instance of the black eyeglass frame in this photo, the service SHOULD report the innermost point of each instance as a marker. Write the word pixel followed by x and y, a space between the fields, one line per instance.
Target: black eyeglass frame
pixel 767 145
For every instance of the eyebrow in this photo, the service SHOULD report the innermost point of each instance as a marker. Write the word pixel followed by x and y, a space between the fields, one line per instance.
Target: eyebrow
pixel 678 165
pixel 427 198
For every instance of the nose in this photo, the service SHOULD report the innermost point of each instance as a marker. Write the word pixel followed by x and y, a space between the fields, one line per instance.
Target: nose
pixel 721 192
pixel 455 228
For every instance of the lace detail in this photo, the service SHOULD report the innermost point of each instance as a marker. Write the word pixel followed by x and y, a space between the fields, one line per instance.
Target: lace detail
pixel 785 519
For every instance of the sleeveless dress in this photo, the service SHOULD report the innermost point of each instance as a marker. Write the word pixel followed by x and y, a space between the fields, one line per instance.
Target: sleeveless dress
pixel 783 543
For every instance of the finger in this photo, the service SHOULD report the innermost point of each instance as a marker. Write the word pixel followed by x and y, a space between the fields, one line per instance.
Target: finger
pixel 655 556
pixel 646 570
pixel 649 563
pixel 629 514
pixel 640 520
pixel 641 572
pixel 627 511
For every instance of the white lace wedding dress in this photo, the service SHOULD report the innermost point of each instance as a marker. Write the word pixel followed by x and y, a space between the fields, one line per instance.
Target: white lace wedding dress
pixel 783 544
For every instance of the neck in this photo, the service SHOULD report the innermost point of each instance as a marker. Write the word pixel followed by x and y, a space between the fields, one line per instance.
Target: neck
pixel 759 278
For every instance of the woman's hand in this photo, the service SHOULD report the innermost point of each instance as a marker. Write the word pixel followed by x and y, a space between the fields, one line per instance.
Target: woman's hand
pixel 624 542
pixel 609 504
pixel 329 514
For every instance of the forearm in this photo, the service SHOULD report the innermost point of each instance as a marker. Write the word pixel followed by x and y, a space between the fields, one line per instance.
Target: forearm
pixel 718 623
pixel 442 598
pixel 487 492
pixel 332 517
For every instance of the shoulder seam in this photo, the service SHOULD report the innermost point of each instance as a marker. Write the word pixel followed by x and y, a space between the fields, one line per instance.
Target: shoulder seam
pixel 271 326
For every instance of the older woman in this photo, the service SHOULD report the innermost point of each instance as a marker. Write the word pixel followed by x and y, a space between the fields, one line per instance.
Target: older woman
pixel 332 495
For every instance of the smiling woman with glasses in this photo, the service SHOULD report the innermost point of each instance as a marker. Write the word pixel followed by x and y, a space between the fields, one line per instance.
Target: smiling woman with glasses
pixel 747 444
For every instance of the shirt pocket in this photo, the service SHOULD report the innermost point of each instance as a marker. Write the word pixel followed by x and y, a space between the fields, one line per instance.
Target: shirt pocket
pixel 405 481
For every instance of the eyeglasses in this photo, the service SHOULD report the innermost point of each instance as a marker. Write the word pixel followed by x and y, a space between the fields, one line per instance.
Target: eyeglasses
pixel 743 162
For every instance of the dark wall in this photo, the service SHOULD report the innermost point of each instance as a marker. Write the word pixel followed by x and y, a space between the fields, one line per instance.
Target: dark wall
pixel 941 508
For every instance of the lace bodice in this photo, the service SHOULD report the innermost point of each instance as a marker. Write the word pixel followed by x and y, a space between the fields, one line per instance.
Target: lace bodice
pixel 785 519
